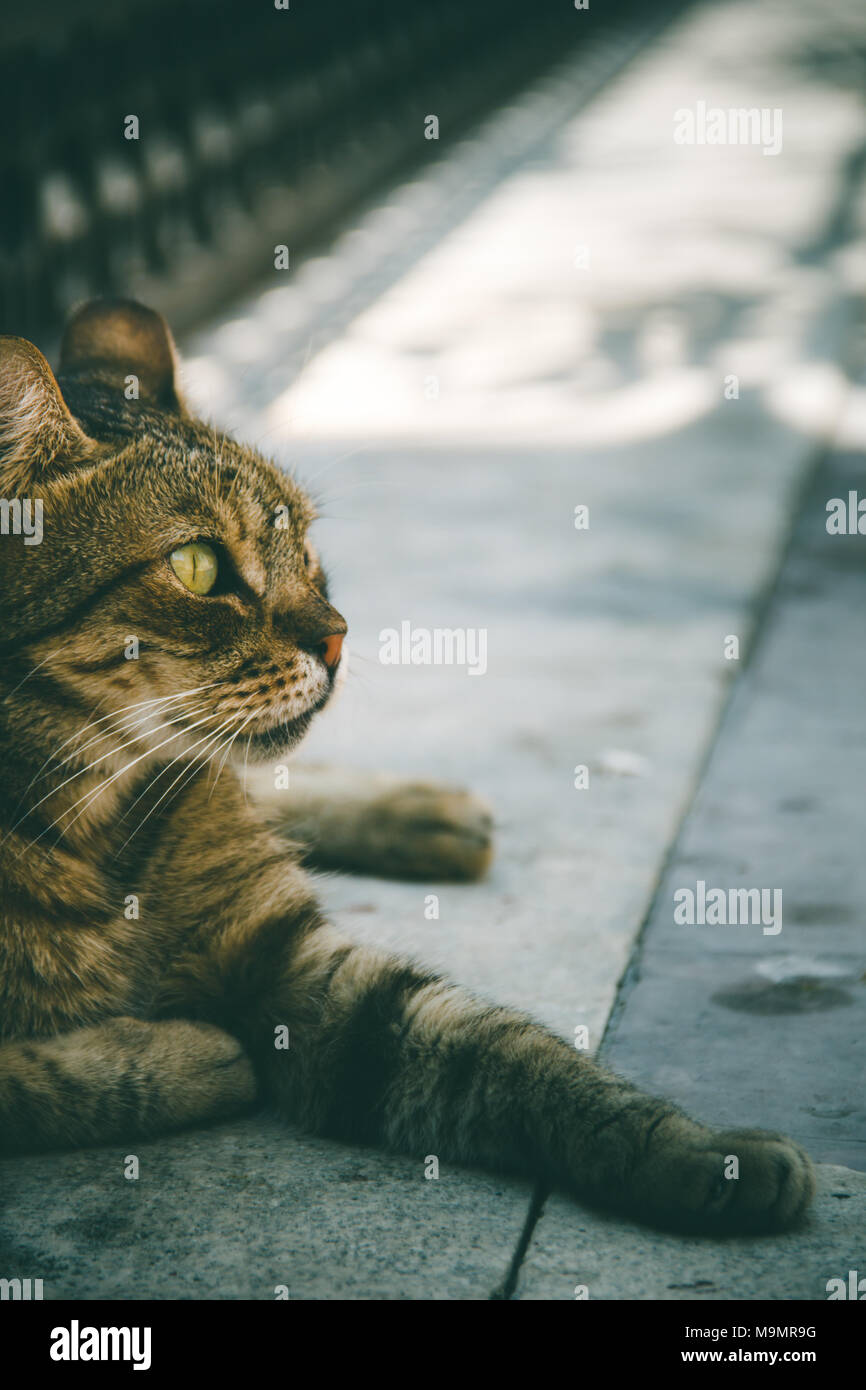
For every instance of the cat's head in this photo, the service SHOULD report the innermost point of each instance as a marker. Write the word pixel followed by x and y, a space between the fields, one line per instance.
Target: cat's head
pixel 159 573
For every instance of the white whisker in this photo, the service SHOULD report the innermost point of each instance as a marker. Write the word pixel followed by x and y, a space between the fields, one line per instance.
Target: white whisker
pixel 211 737
pixel 228 750
pixel 90 797
pixel 115 714
pixel 37 667
pixel 169 723
pixel 127 727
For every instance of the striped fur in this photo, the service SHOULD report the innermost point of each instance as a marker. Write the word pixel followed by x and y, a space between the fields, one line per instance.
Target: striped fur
pixel 158 926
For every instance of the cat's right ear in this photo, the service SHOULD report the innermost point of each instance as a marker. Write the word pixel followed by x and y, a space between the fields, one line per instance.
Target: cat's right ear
pixel 122 343
pixel 38 436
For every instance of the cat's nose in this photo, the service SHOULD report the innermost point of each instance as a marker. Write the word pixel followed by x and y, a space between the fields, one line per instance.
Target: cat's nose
pixel 319 629
pixel 331 649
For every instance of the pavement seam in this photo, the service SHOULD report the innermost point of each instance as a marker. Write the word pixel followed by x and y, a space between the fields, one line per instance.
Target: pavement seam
pixel 761 609
pixel 506 1291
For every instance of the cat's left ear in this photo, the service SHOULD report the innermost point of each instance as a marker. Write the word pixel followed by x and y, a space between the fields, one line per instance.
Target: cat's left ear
pixel 127 346
pixel 38 436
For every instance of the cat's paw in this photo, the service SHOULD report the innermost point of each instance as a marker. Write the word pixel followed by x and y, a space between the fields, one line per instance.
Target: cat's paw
pixel 423 830
pixel 198 1072
pixel 731 1181
pixel 767 1181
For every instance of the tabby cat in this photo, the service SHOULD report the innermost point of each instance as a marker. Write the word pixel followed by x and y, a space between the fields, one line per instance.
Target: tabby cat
pixel 158 927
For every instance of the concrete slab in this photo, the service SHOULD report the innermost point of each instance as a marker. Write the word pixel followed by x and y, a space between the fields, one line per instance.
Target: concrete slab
pixel 255 1210
pixel 739 1023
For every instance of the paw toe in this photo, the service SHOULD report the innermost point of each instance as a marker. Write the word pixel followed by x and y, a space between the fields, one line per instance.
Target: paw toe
pixel 437 832
pixel 768 1180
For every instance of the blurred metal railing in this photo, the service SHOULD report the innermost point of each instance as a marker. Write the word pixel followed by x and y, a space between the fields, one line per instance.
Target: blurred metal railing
pixel 254 125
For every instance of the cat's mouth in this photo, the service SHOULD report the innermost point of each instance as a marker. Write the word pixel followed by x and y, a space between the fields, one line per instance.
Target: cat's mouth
pixel 281 737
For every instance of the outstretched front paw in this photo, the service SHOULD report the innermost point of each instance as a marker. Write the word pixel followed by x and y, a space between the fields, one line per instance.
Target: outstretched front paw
pixel 422 830
pixel 767 1181
pixel 731 1181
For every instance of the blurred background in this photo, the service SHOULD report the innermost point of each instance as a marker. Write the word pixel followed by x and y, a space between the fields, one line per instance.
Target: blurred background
pixel 254 123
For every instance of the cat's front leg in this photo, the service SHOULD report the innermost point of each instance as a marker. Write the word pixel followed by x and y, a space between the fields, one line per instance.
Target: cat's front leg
pixel 118 1080
pixel 381 1052
pixel 374 823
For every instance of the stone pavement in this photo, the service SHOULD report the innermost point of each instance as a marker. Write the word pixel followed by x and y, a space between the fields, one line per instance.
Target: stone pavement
pixel 569 343
pixel 755 1025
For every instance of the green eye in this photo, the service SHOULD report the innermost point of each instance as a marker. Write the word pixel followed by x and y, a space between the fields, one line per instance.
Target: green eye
pixel 195 566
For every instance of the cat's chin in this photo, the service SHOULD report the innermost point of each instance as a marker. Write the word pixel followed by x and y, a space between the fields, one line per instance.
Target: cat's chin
pixel 264 745
pixel 277 741
pixel 272 743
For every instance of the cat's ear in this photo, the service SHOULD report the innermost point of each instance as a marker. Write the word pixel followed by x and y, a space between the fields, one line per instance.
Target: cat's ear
pixel 125 345
pixel 38 435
